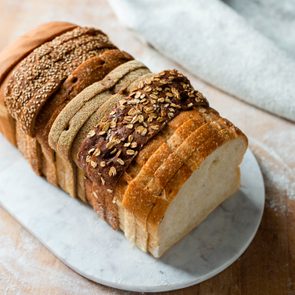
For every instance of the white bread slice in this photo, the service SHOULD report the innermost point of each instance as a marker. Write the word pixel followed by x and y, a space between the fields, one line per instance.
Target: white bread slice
pixel 149 188
pixel 148 174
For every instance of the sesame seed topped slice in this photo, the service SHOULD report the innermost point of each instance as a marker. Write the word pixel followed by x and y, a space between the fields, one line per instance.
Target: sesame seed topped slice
pixel 42 72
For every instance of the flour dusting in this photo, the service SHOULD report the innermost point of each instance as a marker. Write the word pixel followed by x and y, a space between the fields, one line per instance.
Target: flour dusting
pixel 277 160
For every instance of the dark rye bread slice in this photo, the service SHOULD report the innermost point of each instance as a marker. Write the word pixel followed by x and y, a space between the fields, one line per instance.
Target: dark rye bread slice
pixel 106 106
pixel 85 187
pixel 101 203
pixel 43 71
pixel 92 70
pixel 81 179
pixel 111 146
pixel 72 118
pixel 11 55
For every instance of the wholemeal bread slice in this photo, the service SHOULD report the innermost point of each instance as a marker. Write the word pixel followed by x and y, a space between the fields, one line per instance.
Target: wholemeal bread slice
pixel 13 54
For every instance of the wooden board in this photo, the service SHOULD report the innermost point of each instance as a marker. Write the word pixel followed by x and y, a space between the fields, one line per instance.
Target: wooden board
pixel 267 267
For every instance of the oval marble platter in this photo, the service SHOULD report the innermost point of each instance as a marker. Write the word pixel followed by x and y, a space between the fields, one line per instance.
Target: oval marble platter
pixel 75 234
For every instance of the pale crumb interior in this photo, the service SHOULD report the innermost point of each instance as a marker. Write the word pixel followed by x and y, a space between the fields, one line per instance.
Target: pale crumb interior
pixel 216 179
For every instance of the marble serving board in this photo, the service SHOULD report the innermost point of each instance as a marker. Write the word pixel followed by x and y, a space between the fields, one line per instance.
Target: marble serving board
pixel 75 234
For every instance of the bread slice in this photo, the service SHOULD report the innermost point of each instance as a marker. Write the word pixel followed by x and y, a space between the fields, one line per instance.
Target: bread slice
pixel 154 159
pixel 152 184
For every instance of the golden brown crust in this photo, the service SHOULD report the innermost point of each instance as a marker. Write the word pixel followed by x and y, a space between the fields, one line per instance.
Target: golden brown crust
pixel 151 183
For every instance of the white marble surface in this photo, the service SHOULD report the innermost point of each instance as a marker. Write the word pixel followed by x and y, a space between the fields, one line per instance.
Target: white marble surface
pixel 75 234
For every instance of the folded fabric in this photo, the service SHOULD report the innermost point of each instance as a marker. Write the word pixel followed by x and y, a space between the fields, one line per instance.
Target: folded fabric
pixel 214 42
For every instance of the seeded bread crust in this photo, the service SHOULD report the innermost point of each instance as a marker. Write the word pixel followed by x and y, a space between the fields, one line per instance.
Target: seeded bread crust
pixel 92 70
pixel 42 72
pixel 74 116
pixel 13 54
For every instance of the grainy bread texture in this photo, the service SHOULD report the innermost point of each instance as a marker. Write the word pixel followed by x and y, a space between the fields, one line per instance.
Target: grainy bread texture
pixel 41 73
pixel 145 150
pixel 11 55
pixel 92 70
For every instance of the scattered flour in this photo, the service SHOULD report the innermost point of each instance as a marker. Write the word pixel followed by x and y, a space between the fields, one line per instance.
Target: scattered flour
pixel 277 160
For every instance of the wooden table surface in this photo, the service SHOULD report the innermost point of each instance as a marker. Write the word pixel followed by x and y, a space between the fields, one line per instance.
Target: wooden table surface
pixel 267 267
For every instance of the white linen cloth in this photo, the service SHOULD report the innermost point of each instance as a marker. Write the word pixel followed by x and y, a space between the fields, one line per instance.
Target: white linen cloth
pixel 244 47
